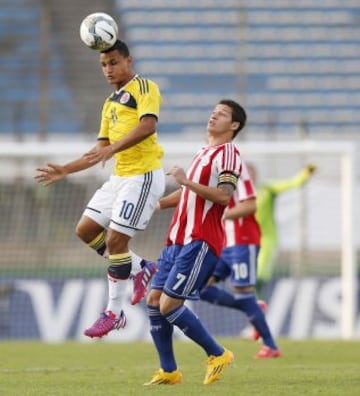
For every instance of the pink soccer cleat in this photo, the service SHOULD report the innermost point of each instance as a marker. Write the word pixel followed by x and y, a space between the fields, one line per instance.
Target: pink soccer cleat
pixel 107 322
pixel 142 280
pixel 266 352
pixel 263 306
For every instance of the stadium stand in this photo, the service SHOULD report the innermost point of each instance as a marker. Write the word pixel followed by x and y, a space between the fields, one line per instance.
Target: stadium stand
pixel 294 65
pixel 190 50
pixel 303 63
pixel 80 64
pixel 33 88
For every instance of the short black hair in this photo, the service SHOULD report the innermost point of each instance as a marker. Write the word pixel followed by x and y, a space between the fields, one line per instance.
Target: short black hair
pixel 119 46
pixel 238 114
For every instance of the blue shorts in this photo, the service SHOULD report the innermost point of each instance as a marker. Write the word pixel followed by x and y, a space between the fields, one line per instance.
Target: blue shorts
pixel 238 262
pixel 183 270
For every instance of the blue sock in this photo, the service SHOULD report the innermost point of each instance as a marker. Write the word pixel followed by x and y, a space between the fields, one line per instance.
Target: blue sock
pixel 161 331
pixel 218 296
pixel 247 303
pixel 191 326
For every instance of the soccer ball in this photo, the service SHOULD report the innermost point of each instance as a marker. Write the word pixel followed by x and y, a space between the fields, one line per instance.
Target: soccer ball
pixel 99 31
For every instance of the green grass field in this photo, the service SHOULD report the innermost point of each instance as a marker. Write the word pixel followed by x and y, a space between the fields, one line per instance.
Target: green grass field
pixel 330 368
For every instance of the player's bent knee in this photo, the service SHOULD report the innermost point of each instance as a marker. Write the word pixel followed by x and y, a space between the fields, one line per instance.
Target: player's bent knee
pixel 119 271
pixel 153 298
pixel 79 231
pixel 168 304
pixel 86 229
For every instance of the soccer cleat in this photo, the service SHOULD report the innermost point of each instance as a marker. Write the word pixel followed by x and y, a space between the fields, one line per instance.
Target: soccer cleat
pixel 266 352
pixel 216 365
pixel 107 322
pixel 256 335
pixel 141 281
pixel 161 377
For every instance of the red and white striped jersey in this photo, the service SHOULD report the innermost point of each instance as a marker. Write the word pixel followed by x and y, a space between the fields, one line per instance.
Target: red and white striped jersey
pixel 196 218
pixel 245 230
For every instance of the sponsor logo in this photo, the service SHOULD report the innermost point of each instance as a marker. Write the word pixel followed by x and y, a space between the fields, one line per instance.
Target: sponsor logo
pixel 56 310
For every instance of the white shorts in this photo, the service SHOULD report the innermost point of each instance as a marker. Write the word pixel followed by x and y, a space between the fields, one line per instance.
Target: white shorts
pixel 126 204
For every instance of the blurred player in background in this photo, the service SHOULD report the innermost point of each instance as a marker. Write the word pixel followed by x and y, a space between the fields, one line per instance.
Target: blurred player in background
pixel 265 216
pixel 238 261
pixel 126 202
pixel 194 243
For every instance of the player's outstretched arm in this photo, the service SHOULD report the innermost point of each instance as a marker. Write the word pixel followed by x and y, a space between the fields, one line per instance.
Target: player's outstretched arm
pixel 53 172
pixel 296 181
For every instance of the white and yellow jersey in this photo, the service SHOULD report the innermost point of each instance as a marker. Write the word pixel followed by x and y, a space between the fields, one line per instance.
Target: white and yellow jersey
pixel 121 113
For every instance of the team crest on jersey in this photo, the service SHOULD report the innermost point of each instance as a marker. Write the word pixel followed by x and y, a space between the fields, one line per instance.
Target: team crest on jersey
pixel 125 98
